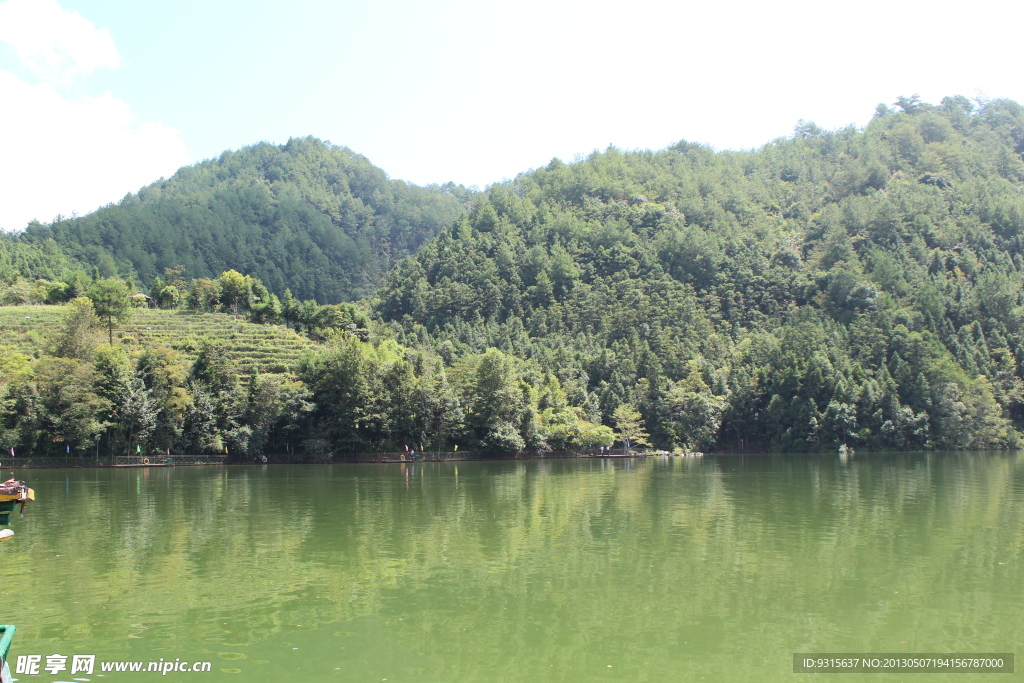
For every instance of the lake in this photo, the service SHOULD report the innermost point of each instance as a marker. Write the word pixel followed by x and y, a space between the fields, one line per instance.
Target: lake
pixel 645 569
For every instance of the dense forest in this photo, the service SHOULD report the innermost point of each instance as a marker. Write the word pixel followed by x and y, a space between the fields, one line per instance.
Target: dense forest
pixel 859 287
pixel 24 260
pixel 307 216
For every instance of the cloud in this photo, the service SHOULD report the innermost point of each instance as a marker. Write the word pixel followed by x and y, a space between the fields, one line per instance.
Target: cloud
pixel 53 43
pixel 63 154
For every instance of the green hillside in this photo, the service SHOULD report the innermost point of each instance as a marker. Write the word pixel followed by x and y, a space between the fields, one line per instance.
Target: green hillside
pixel 307 215
pixel 851 287
pixel 25 259
pixel 30 330
pixel 837 286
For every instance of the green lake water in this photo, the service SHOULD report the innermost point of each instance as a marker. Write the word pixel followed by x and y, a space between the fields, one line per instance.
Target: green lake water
pixel 647 569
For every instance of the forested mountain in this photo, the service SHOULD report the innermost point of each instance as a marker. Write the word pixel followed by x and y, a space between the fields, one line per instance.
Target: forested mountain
pixel 857 286
pixel 309 216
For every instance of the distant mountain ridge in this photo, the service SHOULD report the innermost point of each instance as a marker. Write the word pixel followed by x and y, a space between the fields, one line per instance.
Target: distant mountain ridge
pixel 307 215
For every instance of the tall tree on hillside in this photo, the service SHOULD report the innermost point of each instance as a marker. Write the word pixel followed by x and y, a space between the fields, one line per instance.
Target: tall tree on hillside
pixel 71 408
pixel 629 426
pixel 110 301
pixel 77 338
pixel 497 410
pixel 235 290
pixel 203 294
pixel 440 412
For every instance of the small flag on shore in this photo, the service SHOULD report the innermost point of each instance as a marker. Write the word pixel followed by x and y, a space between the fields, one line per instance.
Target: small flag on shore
pixel 69 448
pixel 138 448
pixel 12 452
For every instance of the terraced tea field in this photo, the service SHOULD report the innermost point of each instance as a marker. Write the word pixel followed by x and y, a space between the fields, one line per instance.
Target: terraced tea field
pixel 274 348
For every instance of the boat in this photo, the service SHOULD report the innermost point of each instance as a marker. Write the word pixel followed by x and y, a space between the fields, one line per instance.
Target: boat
pixel 6 636
pixel 13 492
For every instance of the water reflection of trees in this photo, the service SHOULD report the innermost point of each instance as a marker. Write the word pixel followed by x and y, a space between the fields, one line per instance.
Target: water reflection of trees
pixel 726 563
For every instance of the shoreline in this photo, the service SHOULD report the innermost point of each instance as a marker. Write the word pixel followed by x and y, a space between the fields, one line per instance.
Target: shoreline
pixel 393 458
pixel 181 460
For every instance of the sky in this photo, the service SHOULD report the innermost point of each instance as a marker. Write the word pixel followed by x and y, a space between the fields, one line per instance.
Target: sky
pixel 101 97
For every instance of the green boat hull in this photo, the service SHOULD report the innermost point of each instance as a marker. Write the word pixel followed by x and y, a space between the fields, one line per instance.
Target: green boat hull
pixel 6 636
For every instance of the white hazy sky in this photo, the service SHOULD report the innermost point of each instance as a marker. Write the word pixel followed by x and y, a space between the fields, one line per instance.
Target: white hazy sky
pixel 101 97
